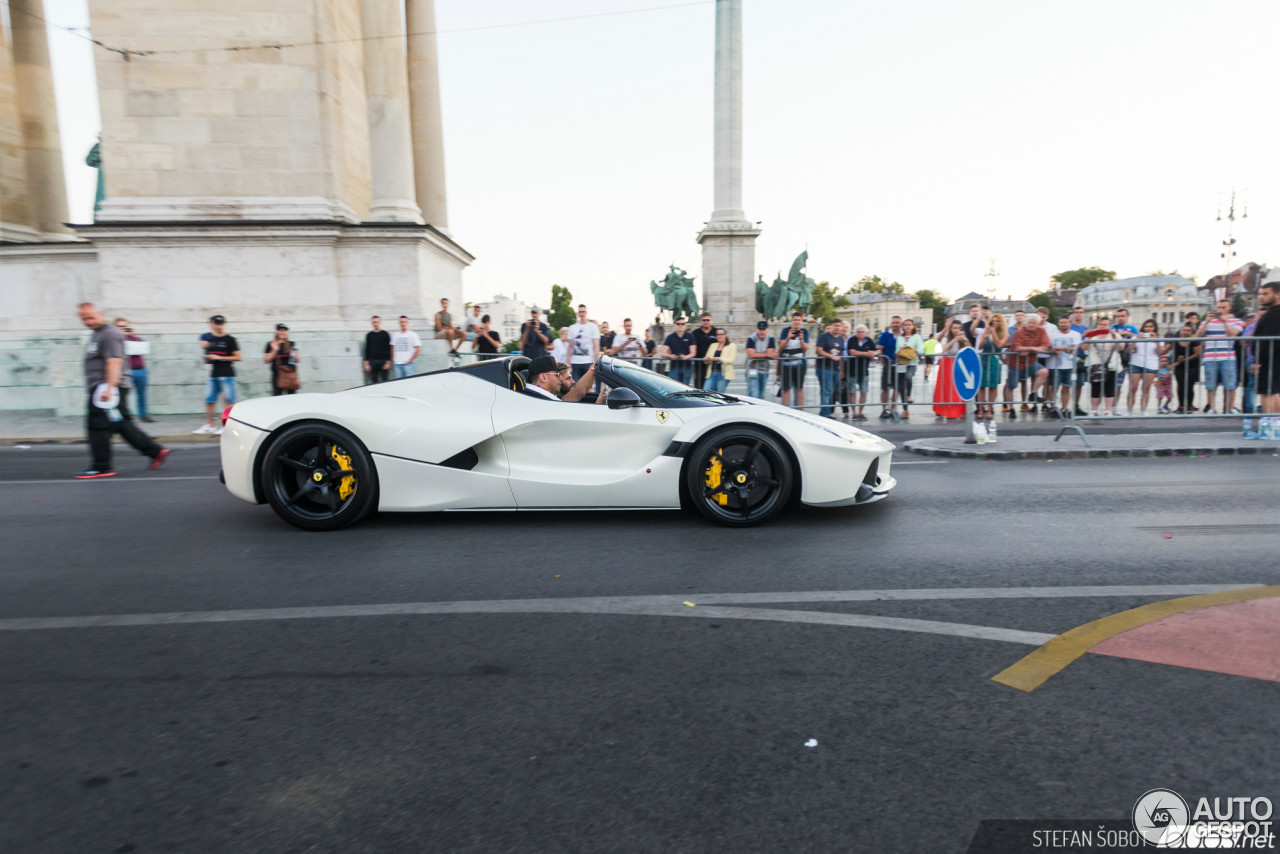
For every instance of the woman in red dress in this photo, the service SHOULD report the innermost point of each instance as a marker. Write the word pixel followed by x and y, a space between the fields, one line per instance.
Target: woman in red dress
pixel 946 400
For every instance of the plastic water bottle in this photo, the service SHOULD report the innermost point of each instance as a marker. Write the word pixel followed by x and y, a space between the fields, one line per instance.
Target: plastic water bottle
pixel 991 432
pixel 980 433
pixel 1251 429
pixel 113 414
pixel 1270 430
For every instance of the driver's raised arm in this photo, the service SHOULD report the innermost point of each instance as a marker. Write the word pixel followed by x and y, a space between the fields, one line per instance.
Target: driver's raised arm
pixel 582 386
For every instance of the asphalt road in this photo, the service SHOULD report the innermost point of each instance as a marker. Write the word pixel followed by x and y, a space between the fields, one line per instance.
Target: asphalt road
pixel 581 722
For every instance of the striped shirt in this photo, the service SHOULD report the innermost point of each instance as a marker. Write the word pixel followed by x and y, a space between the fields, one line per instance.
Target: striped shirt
pixel 1220 351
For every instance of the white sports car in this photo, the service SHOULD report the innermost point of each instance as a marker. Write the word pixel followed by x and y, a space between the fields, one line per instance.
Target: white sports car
pixel 471 438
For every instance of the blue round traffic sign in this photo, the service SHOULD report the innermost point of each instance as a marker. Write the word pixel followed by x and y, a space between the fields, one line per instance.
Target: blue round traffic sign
pixel 966 373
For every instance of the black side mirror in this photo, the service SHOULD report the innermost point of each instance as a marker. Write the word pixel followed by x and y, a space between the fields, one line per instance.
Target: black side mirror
pixel 622 398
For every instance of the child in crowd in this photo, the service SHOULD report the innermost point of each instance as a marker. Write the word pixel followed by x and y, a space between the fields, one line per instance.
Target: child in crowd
pixel 1164 386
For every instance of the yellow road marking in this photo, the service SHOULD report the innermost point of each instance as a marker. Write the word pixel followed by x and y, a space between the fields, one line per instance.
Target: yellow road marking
pixel 1032 671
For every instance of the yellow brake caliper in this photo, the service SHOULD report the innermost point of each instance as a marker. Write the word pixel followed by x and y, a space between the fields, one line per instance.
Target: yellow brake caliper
pixel 715 476
pixel 348 484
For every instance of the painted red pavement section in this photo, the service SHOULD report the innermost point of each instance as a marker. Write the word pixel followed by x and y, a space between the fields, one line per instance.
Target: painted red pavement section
pixel 1242 639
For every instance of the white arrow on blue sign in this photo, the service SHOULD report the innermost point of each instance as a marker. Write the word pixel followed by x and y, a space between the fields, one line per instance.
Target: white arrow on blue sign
pixel 966 373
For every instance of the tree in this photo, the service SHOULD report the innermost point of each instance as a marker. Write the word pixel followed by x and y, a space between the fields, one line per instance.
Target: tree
pixel 935 302
pixel 876 285
pixel 561 313
pixel 1239 304
pixel 1074 280
pixel 823 306
pixel 1041 299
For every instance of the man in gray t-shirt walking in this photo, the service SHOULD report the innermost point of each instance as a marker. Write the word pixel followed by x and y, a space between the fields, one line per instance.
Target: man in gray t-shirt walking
pixel 104 374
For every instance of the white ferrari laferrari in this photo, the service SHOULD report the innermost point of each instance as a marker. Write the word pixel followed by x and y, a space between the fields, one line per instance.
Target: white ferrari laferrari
pixel 470 438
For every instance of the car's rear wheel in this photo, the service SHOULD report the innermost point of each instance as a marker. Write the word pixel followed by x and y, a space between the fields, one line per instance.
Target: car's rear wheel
pixel 739 476
pixel 319 477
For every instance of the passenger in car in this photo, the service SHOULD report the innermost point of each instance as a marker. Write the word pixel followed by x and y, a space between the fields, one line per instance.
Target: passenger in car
pixel 572 392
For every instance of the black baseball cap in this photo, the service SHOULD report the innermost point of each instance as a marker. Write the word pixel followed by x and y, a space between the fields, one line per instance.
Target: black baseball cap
pixel 281 326
pixel 217 318
pixel 764 324
pixel 542 365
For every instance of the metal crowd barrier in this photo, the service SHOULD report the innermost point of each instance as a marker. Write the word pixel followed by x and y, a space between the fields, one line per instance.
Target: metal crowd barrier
pixel 899 389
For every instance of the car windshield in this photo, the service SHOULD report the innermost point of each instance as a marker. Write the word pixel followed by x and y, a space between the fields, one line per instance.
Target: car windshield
pixel 645 380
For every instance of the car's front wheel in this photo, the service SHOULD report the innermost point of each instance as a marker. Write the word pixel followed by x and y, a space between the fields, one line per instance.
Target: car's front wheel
pixel 739 476
pixel 319 477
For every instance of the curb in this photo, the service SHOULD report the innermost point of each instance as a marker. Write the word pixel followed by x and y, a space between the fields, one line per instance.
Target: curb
pixel 173 439
pixel 921 447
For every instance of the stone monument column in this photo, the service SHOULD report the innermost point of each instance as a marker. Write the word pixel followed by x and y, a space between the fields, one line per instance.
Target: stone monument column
pixel 15 206
pixel 428 126
pixel 729 239
pixel 42 147
pixel 387 92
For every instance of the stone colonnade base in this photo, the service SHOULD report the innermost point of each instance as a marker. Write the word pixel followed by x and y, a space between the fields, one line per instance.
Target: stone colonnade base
pixel 729 276
pixel 324 279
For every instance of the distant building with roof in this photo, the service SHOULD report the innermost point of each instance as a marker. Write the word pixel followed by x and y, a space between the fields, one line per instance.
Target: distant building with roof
pixel 1006 307
pixel 1166 298
pixel 876 310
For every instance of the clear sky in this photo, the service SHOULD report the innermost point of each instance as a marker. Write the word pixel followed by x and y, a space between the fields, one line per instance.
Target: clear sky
pixel 913 140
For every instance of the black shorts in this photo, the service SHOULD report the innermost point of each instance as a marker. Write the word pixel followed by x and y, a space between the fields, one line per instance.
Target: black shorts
pixel 1268 379
pixel 928 360
pixel 792 375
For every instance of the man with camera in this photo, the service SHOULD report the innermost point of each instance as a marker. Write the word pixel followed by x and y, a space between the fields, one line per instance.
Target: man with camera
pixel 791 350
pixel 535 336
pixel 1219 358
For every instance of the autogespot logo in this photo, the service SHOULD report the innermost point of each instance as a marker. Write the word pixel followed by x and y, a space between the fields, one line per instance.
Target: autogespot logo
pixel 1161 817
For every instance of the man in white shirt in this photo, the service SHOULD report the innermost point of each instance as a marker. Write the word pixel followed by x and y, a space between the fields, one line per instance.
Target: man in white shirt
pixel 405 347
pixel 584 344
pixel 473 323
pixel 1063 343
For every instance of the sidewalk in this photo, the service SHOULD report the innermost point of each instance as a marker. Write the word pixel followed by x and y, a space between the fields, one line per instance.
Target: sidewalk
pixel 42 428
pixel 1104 445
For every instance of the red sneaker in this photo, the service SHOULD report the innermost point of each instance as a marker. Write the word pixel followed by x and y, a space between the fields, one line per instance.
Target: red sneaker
pixel 88 474
pixel 158 460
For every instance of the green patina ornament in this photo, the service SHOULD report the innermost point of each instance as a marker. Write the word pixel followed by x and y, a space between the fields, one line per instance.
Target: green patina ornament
pixel 94 159
pixel 675 294
pixel 794 293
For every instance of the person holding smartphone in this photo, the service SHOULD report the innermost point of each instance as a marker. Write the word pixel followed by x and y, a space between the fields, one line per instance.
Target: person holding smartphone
pixel 626 344
pixel 791 352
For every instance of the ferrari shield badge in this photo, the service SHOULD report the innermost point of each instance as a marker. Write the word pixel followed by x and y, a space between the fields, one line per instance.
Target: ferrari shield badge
pixel 663 415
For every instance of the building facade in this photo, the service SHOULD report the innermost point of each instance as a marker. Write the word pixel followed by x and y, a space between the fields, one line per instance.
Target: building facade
pixel 875 311
pixel 506 313
pixel 300 182
pixel 1165 298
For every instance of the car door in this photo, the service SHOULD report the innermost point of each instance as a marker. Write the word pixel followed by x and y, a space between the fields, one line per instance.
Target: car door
pixel 587 455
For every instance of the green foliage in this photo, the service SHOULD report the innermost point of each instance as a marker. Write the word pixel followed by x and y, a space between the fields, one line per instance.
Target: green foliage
pixel 1083 277
pixel 562 312
pixel 935 302
pixel 511 346
pixel 876 285
pixel 823 305
pixel 1239 304
pixel 1041 299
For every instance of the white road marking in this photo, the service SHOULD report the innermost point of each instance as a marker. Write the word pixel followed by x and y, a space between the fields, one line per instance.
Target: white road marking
pixel 116 479
pixel 709 605
pixel 897 463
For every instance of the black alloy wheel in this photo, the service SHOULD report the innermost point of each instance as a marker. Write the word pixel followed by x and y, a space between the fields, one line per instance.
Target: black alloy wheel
pixel 319 477
pixel 739 477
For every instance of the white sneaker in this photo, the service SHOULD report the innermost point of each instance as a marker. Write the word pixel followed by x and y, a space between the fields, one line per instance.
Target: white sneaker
pixel 1208 410
pixel 1235 410
pixel 202 430
pixel 217 432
